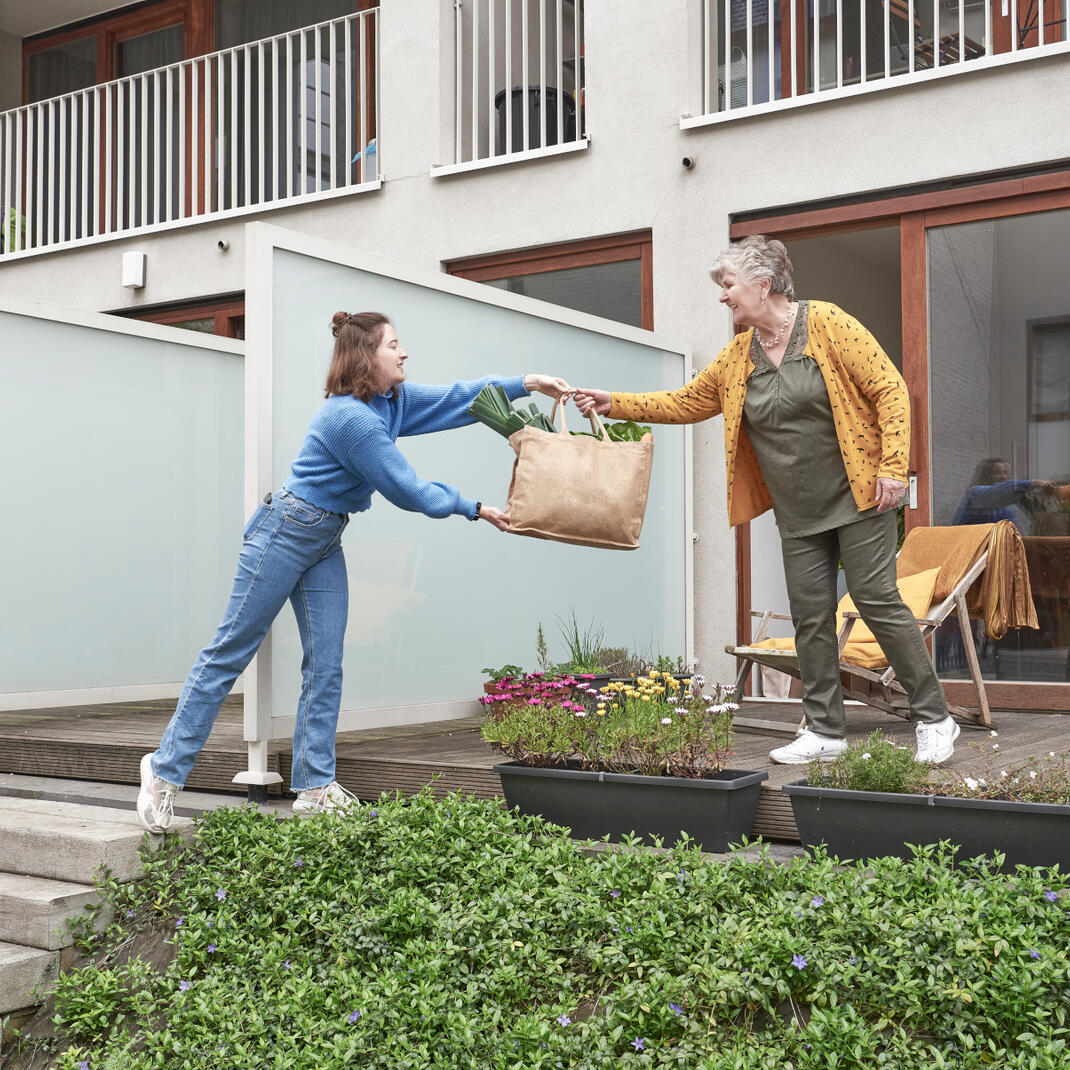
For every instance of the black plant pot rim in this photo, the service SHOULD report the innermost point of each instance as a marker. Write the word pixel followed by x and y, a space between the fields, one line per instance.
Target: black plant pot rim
pixel 802 787
pixel 726 779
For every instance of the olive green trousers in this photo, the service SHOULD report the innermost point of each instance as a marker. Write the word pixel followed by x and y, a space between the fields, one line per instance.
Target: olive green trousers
pixel 867 548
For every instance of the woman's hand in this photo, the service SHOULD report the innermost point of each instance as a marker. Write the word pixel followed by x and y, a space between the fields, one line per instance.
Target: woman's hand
pixel 549 385
pixel 890 493
pixel 499 519
pixel 589 400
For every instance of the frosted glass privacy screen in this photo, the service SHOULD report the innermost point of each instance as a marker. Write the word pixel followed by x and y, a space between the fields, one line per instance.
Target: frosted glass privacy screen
pixel 432 602
pixel 123 475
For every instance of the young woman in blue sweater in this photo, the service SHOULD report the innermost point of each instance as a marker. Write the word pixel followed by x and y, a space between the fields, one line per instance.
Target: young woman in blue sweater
pixel 292 551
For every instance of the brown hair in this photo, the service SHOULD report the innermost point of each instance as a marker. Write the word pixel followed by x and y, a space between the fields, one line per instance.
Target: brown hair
pixel 357 336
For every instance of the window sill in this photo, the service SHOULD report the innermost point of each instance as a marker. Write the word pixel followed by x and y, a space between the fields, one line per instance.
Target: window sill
pixel 441 170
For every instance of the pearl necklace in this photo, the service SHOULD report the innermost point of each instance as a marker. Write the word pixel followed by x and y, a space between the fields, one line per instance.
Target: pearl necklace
pixel 776 337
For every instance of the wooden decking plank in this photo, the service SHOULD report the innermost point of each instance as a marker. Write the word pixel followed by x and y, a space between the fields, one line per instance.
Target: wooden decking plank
pixel 106 743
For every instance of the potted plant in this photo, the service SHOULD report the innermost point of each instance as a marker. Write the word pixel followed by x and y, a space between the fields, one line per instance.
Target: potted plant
pixel 505 691
pixel 644 756
pixel 875 799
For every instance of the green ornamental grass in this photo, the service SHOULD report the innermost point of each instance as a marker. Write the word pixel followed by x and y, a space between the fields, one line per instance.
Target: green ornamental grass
pixel 418 933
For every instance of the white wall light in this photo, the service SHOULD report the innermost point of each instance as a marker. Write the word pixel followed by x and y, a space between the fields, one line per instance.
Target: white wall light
pixel 134 270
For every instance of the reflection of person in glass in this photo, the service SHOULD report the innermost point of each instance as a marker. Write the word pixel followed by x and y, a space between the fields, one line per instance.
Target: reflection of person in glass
pixel 292 552
pixel 817 427
pixel 993 496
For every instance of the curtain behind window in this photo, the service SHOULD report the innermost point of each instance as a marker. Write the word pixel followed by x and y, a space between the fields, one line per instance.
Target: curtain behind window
pixel 62 69
pixel 148 51
pixel 240 21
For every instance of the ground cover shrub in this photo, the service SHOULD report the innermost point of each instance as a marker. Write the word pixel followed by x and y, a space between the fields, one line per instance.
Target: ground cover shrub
pixel 422 933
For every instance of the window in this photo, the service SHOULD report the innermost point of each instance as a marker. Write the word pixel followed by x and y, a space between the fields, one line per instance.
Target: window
pixel 117 43
pixel 610 277
pixel 224 316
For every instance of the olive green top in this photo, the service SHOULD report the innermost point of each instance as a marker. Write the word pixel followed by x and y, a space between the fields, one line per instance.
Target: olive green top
pixel 789 421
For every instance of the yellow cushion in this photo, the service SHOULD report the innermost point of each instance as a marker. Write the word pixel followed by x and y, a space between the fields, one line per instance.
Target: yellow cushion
pixel 862 648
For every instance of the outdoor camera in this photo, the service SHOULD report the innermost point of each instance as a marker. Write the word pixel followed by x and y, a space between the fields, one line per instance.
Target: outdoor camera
pixel 688 162
pixel 223 245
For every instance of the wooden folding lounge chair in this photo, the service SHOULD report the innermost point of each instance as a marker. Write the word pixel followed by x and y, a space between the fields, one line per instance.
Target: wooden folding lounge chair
pixel 967 557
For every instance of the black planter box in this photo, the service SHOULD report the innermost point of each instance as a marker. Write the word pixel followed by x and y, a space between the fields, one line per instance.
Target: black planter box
pixel 714 811
pixel 869 824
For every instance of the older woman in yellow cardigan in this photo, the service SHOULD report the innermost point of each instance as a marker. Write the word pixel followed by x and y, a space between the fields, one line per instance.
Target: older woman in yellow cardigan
pixel 816 427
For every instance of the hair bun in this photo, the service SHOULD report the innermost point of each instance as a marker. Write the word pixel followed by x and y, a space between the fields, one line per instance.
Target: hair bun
pixel 338 321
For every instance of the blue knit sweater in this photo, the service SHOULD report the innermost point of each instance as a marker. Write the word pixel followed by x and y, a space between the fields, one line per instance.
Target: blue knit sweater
pixel 349 451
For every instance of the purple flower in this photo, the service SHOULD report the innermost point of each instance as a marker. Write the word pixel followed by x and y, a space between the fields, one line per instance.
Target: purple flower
pixel 83 1065
pixel 130 913
pixel 211 949
pixel 851 961
pixel 298 862
pixel 817 901
pixel 1051 896
pixel 564 1019
pixel 178 922
pixel 639 1043
pixel 355 1016
pixel 183 986
pixel 373 813
pixel 798 962
pixel 676 1009
pixel 286 965
pixel 615 893
pixel 221 894
pixel 681 877
pixel 1034 954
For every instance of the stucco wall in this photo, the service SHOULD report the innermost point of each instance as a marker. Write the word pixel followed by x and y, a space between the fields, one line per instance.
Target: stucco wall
pixel 642 74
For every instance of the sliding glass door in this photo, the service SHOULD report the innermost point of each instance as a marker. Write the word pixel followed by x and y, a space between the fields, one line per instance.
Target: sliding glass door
pixel 999 402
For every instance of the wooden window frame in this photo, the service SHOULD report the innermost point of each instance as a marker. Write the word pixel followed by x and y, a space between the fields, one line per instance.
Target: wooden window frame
pixel 196 16
pixel 916 213
pixel 585 252
pixel 229 313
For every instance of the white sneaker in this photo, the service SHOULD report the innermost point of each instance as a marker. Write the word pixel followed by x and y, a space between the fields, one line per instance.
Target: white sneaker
pixel 807 746
pixel 318 800
pixel 936 741
pixel 156 799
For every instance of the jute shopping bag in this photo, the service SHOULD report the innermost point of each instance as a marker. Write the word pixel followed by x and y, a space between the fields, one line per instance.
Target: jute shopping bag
pixel 578 489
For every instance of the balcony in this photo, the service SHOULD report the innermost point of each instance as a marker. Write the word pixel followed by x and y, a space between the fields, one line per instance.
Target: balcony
pixel 285 120
pixel 518 82
pixel 761 56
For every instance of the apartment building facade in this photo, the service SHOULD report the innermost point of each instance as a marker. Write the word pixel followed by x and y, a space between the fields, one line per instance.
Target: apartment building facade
pixel 597 154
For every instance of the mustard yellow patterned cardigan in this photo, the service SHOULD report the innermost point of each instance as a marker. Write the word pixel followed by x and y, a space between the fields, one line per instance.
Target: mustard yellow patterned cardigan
pixel 868 397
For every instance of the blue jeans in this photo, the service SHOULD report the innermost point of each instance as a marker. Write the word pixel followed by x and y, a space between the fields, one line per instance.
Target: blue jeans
pixel 292 550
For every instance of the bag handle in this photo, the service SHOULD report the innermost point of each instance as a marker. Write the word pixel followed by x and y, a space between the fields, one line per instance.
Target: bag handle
pixel 597 427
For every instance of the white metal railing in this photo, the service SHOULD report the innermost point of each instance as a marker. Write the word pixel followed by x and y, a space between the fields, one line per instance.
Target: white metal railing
pixel 289 118
pixel 760 55
pixel 518 78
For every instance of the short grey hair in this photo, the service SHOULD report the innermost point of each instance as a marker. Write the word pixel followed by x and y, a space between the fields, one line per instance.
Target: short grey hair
pixel 757 257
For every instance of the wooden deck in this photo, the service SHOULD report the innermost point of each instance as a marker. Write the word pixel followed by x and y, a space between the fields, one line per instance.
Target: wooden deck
pixel 105 743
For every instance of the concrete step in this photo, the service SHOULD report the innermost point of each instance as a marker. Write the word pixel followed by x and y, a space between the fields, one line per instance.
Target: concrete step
pixel 124 796
pixel 25 973
pixel 34 911
pixel 68 842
